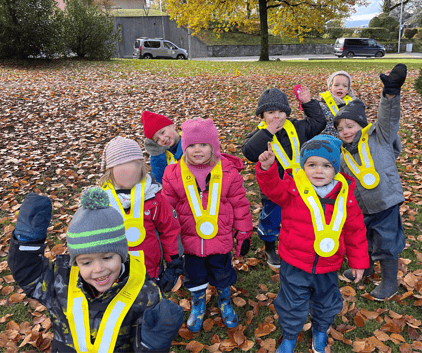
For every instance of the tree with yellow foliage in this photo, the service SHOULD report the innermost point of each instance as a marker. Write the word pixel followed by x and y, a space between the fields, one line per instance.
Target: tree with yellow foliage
pixel 286 18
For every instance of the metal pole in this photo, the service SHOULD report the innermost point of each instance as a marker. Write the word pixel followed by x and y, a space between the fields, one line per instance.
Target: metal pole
pixel 162 19
pixel 189 56
pixel 401 16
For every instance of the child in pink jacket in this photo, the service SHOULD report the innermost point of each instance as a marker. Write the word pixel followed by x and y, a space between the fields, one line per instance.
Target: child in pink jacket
pixel 207 191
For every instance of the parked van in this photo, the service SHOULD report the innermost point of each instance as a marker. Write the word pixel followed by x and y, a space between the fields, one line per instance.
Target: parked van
pixel 351 47
pixel 154 48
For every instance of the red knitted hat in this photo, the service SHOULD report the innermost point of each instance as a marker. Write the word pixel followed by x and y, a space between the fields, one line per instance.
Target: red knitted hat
pixel 153 122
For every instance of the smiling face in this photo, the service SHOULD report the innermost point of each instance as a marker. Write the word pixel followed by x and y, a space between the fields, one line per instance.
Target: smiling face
pixel 272 115
pixel 340 86
pixel 167 136
pixel 347 129
pixel 199 153
pixel 100 270
pixel 319 170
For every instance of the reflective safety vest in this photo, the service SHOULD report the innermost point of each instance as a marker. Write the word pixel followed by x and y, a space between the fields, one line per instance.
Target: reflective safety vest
pixel 170 158
pixel 327 236
pixel 78 311
pixel 328 98
pixel 278 150
pixel 365 173
pixel 206 220
pixel 134 221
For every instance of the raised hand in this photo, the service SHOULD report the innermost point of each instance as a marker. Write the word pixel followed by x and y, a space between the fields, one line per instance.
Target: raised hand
pixel 267 158
pixel 394 81
pixel 304 94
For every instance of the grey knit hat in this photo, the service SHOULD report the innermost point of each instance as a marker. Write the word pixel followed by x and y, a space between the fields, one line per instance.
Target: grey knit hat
pixel 120 150
pixel 96 227
pixel 355 110
pixel 273 99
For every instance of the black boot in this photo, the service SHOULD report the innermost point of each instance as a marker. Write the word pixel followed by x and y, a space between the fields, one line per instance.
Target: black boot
pixel 272 258
pixel 368 272
pixel 388 286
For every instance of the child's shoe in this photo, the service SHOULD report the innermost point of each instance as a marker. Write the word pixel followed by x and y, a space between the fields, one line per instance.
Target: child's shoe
pixel 287 346
pixel 196 317
pixel 388 286
pixel 319 341
pixel 227 312
pixel 368 272
pixel 272 258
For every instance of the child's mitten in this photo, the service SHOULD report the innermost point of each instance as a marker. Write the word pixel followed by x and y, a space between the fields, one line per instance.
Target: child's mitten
pixel 243 243
pixel 394 81
pixel 295 89
pixel 33 218
pixel 171 274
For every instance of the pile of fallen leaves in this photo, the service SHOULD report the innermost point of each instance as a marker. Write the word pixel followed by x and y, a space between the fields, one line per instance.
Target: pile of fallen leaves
pixel 54 124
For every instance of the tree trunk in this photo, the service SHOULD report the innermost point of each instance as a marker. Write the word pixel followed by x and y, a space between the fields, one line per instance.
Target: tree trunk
pixel 263 19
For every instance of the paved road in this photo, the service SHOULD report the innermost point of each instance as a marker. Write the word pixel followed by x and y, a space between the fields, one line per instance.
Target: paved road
pixel 309 57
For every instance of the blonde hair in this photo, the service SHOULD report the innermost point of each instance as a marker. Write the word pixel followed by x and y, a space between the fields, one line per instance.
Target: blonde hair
pixel 107 177
pixel 211 161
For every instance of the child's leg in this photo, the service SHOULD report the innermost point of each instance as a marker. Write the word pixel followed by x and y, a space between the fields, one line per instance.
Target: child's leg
pixel 269 229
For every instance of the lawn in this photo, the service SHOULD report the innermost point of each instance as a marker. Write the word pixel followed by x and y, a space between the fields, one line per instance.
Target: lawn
pixel 56 117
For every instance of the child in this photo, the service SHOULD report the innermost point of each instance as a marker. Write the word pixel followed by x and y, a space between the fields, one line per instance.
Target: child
pixel 379 191
pixel 286 136
pixel 150 221
pixel 312 250
pixel 162 142
pixel 99 298
pixel 207 191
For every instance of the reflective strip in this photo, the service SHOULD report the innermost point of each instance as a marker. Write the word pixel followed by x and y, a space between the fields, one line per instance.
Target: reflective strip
pixel 29 248
pixel 110 326
pixel 365 156
pixel 195 289
pixel 317 213
pixel 138 200
pixel 280 155
pixel 214 198
pixel 339 214
pixel 78 316
pixel 352 164
pixel 195 204
pixel 134 253
pixel 334 108
pixel 114 203
pixel 296 151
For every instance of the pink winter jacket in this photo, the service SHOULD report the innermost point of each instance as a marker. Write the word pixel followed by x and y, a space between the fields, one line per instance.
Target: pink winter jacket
pixel 234 214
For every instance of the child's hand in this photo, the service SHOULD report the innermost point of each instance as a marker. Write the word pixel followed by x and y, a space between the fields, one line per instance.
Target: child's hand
pixel 267 158
pixel 303 94
pixel 274 126
pixel 394 81
pixel 357 274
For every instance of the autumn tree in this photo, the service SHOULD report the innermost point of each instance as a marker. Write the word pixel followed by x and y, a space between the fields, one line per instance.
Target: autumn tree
pixel 284 18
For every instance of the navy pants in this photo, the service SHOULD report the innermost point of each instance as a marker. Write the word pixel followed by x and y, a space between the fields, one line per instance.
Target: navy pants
pixel 269 221
pixel 302 293
pixel 216 270
pixel 385 234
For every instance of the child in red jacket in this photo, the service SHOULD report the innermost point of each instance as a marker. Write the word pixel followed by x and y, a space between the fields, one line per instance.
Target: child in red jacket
pixel 207 191
pixel 321 222
pixel 150 222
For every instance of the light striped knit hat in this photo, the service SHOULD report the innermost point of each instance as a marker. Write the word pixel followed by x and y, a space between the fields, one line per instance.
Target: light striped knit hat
pixel 120 150
pixel 96 227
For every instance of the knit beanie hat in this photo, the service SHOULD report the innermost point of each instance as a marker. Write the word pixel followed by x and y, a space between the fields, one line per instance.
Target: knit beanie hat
pixel 198 130
pixel 343 73
pixel 96 227
pixel 273 99
pixel 325 146
pixel 153 122
pixel 355 110
pixel 120 150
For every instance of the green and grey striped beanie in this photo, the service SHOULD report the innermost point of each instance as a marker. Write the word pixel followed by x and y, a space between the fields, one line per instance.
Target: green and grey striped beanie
pixel 96 227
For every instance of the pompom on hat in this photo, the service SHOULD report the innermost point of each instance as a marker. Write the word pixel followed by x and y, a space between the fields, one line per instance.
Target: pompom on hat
pixel 120 150
pixel 153 122
pixel 355 110
pixel 325 146
pixel 273 99
pixel 96 227
pixel 198 130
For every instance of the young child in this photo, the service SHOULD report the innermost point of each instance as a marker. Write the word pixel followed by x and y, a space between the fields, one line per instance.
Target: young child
pixel 286 136
pixel 206 189
pixel 369 156
pixel 99 298
pixel 162 142
pixel 321 222
pixel 150 221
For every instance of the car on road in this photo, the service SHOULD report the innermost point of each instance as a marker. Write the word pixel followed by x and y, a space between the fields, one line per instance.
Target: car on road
pixel 157 48
pixel 350 47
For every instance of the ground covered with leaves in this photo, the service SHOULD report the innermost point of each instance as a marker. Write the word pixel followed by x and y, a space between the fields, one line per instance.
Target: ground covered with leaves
pixel 55 119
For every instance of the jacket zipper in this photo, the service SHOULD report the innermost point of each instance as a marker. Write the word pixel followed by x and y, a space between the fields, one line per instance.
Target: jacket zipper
pixel 202 239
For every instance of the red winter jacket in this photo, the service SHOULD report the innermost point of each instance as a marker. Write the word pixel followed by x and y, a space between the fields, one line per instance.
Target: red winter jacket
pixel 296 245
pixel 234 214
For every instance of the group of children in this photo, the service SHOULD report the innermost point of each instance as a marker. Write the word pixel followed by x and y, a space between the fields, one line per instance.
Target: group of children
pixel 137 232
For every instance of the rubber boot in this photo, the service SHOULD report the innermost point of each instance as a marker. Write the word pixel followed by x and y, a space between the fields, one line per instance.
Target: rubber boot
pixel 286 346
pixel 197 314
pixel 230 318
pixel 388 286
pixel 319 341
pixel 272 258
pixel 368 272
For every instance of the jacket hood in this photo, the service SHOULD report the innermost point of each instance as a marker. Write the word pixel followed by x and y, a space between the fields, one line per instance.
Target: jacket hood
pixel 235 161
pixel 151 187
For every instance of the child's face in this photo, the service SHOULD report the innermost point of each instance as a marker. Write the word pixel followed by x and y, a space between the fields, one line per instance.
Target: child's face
pixel 167 136
pixel 319 170
pixel 276 115
pixel 340 86
pixel 199 153
pixel 100 270
pixel 127 175
pixel 347 130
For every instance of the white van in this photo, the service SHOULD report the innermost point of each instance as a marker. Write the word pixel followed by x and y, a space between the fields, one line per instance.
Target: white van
pixel 155 48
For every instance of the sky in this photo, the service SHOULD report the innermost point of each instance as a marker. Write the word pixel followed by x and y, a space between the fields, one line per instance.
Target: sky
pixel 364 14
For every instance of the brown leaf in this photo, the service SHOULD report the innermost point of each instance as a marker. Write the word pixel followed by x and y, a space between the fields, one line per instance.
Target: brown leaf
pixel 208 324
pixel 240 302
pixel 264 329
pixel 194 346
pixel 185 333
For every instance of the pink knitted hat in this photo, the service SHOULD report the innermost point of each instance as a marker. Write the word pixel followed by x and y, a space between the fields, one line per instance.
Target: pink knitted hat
pixel 199 130
pixel 153 122
pixel 120 150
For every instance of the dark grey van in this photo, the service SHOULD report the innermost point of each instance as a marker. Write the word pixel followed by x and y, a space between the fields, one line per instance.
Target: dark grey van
pixel 351 47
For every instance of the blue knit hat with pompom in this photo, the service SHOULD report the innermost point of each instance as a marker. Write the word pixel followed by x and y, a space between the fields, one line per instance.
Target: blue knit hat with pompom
pixel 96 227
pixel 325 146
